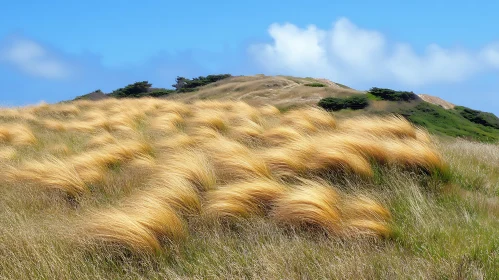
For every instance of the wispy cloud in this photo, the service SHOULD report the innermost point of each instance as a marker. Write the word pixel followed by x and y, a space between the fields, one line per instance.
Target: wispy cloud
pixel 31 70
pixel 33 59
pixel 491 54
pixel 352 54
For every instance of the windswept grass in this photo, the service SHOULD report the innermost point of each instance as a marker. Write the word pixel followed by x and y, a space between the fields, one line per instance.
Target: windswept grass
pixel 51 173
pixel 139 225
pixel 150 188
pixel 244 199
pixel 310 205
pixel 17 135
pixel 379 126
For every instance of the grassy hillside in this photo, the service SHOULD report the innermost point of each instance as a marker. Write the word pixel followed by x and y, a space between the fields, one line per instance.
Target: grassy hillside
pixel 449 122
pixel 457 122
pixel 280 91
pixel 286 92
pixel 152 188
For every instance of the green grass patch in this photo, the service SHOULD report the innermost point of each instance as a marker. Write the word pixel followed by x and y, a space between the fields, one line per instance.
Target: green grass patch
pixel 370 96
pixel 448 122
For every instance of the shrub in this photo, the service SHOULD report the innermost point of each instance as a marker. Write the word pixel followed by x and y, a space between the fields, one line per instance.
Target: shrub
pixel 132 90
pixel 479 117
pixel 355 102
pixel 187 85
pixel 315 85
pixel 392 95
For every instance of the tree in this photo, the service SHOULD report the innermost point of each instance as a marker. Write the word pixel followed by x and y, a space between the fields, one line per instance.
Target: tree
pixel 181 81
pixel 132 90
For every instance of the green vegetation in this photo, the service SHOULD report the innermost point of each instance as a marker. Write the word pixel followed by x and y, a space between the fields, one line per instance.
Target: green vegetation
pixel 144 88
pixel 140 89
pixel 160 92
pixel 187 85
pixel 315 85
pixel 392 95
pixel 449 122
pixel 479 117
pixel 355 102
pixel 137 89
pixel 373 97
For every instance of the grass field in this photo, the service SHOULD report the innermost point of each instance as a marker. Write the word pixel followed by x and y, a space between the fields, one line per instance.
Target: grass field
pixel 157 189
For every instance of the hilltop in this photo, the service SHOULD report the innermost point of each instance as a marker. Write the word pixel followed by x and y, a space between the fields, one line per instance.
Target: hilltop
pixel 285 92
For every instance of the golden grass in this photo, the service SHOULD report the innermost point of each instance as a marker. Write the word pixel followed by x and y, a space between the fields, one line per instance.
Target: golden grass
pixel 233 160
pixel 101 140
pixel 414 153
pixel 311 205
pixel 318 205
pixel 309 119
pixel 243 199
pixel 59 149
pixel 55 125
pixel 168 122
pixel 50 173
pixel 215 159
pixel 176 191
pixel 365 216
pixel 269 110
pixel 309 156
pixel 193 166
pixel 280 135
pixel 17 134
pixel 7 153
pixel 140 225
pixel 177 141
pixel 379 126
pixel 214 119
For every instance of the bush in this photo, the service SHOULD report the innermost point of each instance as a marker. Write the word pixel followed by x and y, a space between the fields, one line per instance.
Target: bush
pixel 187 85
pixel 137 89
pixel 315 85
pixel 355 102
pixel 479 117
pixel 392 95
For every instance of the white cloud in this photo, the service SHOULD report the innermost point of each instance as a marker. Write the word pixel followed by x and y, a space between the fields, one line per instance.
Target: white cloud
pixel 490 54
pixel 352 54
pixel 302 51
pixel 31 58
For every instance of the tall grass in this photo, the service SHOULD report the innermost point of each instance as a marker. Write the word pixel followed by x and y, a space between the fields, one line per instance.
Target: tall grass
pixel 304 195
pixel 243 199
pixel 17 134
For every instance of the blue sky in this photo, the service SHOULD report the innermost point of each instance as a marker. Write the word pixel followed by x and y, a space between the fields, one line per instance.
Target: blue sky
pixel 54 50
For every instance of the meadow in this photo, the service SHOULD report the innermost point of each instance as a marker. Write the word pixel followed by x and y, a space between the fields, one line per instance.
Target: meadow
pixel 160 189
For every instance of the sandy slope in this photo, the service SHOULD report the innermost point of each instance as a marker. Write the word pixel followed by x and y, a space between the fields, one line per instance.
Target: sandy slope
pixel 437 101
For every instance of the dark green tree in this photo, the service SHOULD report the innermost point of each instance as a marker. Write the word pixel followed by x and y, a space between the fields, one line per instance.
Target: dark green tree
pixel 180 83
pixel 137 89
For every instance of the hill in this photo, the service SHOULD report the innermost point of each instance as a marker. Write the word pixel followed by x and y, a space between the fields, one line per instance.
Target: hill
pixel 280 91
pixel 435 114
